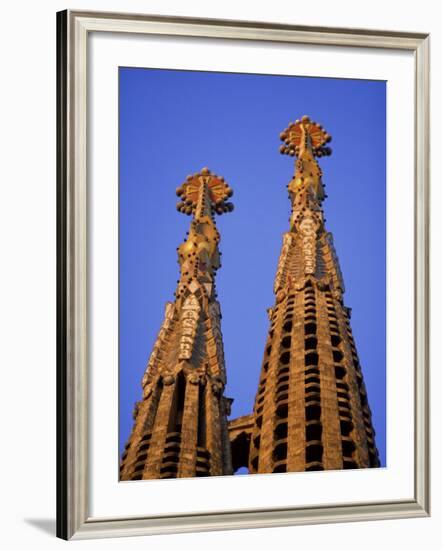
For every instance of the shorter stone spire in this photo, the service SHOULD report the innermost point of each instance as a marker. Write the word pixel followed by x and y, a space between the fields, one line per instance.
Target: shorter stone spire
pixel 180 427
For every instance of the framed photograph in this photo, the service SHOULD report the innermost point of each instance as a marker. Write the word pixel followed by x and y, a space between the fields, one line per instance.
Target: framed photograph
pixel 242 335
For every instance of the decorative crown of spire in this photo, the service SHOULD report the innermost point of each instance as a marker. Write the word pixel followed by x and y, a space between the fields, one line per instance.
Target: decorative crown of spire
pixel 302 135
pixel 306 139
pixel 204 187
pixel 202 195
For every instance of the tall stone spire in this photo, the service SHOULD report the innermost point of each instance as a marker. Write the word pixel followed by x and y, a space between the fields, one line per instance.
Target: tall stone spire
pixel 180 427
pixel 311 410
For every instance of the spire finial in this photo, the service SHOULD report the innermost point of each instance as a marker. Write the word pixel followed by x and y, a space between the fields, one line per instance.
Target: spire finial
pixel 302 135
pixel 204 193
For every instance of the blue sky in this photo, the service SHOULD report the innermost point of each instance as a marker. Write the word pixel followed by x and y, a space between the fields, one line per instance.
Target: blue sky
pixel 173 123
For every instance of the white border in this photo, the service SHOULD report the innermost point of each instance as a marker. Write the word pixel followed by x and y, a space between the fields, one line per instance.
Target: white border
pixel 108 498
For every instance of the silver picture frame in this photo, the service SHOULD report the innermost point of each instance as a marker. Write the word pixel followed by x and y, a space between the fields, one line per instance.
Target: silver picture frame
pixel 73 517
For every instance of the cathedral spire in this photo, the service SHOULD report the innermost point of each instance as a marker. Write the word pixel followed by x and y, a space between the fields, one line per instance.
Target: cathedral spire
pixel 180 427
pixel 311 408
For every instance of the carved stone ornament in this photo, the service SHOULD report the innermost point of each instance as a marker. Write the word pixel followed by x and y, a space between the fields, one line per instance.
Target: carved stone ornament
pixel 136 410
pixel 217 386
pixel 282 262
pixel 193 379
pixel 147 392
pixel 323 283
pixel 228 405
pixel 165 326
pixel 337 294
pixel 300 284
pixel 337 267
pixel 189 323
pixel 308 229
pixel 168 379
pixel 280 296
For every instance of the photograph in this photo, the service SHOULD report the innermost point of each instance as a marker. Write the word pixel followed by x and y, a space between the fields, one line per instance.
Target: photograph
pixel 219 249
pixel 242 274
pixel 251 274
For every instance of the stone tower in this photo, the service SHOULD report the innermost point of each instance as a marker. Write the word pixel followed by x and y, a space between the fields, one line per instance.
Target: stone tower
pixel 311 410
pixel 180 427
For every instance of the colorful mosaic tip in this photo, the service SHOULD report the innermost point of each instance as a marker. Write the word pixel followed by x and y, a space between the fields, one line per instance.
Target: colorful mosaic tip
pixel 305 134
pixel 204 189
